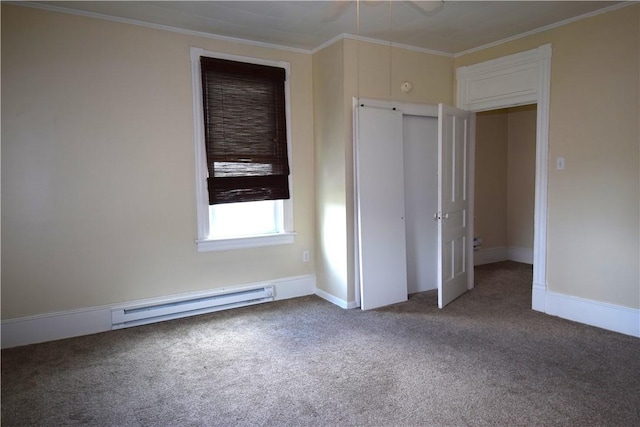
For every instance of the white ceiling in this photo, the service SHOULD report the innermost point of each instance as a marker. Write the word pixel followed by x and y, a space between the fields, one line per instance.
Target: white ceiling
pixel 455 27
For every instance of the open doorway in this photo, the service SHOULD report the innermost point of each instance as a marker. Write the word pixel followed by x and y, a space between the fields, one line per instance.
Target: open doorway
pixel 505 167
pixel 519 79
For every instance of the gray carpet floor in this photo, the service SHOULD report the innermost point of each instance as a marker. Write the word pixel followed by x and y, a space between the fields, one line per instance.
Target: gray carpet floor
pixel 486 359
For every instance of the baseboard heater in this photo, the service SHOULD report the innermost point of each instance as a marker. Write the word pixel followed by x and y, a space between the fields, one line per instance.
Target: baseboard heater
pixel 168 309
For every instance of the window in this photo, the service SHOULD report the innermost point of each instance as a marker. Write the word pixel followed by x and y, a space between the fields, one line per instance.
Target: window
pixel 245 219
pixel 242 159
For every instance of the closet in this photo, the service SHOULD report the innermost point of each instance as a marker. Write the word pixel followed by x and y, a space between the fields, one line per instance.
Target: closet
pixel 420 145
pixel 411 201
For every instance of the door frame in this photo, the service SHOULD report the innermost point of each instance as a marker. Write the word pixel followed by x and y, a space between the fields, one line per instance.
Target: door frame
pixel 519 79
pixel 410 109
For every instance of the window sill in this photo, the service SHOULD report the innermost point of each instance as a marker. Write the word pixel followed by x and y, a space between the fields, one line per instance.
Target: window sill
pixel 211 245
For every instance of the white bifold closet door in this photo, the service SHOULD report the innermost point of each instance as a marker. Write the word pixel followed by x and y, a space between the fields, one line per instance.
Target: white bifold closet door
pixel 380 208
pixel 380 204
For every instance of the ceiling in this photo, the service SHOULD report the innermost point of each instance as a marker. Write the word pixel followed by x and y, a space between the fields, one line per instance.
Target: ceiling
pixel 455 27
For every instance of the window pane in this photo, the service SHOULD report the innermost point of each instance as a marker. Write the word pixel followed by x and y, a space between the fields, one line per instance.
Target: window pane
pixel 245 219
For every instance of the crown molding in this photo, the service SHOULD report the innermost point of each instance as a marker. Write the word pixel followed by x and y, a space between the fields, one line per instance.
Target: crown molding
pixel 344 36
pixel 347 36
pixel 60 9
pixel 548 27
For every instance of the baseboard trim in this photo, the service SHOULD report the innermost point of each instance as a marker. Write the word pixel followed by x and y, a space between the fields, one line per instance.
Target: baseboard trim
pixel 524 255
pixel 502 253
pixel 294 287
pixel 55 326
pixel 490 255
pixel 538 297
pixel 603 315
pixel 352 304
pixel 93 320
pixel 335 300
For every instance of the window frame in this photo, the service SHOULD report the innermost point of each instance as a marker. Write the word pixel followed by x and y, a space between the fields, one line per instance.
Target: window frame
pixel 203 241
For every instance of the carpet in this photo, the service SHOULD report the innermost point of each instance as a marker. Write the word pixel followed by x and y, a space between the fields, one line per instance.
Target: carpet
pixel 486 359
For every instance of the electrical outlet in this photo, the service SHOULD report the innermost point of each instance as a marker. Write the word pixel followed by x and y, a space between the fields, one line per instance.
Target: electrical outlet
pixel 477 243
pixel 305 256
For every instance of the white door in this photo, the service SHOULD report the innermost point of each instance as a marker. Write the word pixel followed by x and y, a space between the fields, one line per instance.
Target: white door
pixel 380 207
pixel 453 151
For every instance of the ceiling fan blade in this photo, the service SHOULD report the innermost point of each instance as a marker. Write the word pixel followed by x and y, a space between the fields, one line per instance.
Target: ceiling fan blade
pixel 336 9
pixel 428 6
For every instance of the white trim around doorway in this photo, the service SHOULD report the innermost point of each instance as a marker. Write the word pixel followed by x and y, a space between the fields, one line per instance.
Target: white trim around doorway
pixel 519 79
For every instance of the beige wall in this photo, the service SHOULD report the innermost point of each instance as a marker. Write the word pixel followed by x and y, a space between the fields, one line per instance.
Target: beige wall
pixel 98 166
pixel 430 75
pixel 505 177
pixel 521 174
pixel 593 207
pixel 490 216
pixel 329 110
pixel 370 75
pixel 366 72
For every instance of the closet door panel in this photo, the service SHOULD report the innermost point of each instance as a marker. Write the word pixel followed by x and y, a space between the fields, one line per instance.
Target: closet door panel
pixel 380 207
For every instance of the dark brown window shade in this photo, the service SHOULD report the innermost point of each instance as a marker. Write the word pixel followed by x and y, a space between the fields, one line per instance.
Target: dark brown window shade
pixel 245 131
